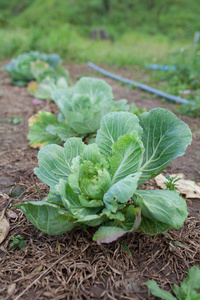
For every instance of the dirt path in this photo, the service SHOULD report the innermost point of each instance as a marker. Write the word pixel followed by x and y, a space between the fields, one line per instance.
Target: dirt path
pixel 72 266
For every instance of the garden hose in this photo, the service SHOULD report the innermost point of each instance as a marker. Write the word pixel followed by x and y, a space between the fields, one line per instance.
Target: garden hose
pixel 141 86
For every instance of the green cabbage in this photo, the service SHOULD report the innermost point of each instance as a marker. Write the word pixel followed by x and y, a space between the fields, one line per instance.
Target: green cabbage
pixel 98 184
pixel 81 110
pixel 21 68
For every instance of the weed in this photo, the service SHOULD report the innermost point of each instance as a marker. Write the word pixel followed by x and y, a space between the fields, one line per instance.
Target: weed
pixel 15 120
pixel 171 183
pixel 19 241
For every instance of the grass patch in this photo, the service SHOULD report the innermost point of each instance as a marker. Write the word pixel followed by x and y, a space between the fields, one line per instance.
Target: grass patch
pixel 129 50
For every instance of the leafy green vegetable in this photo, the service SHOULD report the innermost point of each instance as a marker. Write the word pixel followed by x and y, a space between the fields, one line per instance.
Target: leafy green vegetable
pixel 187 290
pixel 81 110
pixel 21 68
pixel 98 184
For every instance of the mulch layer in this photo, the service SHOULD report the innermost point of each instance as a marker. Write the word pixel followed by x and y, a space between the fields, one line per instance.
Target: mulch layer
pixel 72 266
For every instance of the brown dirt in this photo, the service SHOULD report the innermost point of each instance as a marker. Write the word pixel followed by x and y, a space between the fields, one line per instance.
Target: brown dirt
pixel 72 266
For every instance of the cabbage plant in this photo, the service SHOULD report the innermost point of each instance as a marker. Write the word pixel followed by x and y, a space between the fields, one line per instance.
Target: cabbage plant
pixel 42 90
pixel 99 184
pixel 20 68
pixel 81 110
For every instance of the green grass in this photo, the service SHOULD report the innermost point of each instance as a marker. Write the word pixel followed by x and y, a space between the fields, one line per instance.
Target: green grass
pixel 173 18
pixel 129 50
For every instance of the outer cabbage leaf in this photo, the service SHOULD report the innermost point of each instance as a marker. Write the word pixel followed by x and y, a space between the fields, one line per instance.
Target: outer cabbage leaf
pixel 126 156
pixel 55 161
pixel 152 227
pixel 121 192
pixel 112 127
pixel 116 229
pixel 108 234
pixel 54 198
pixel 44 129
pixel 165 137
pixel 40 91
pixel 38 136
pixel 96 89
pixel 162 205
pixel 92 220
pixel 44 89
pixel 63 131
pixel 47 217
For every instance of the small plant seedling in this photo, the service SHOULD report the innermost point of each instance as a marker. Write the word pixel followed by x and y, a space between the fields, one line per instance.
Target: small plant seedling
pixel 171 182
pixel 187 290
pixel 126 249
pixel 19 241
pixel 15 120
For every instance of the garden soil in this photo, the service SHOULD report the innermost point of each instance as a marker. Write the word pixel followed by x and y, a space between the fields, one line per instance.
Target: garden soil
pixel 72 266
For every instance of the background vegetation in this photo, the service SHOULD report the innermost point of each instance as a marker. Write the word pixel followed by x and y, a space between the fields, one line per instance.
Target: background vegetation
pixel 138 30
pixel 140 33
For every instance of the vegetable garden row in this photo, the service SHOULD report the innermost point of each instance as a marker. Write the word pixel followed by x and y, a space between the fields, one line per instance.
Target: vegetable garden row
pixel 95 156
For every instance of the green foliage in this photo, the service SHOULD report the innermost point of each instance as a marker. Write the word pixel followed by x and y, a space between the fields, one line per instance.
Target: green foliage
pixel 182 81
pixel 81 110
pixel 171 182
pixel 187 290
pixel 15 120
pixel 46 129
pixel 136 110
pixel 32 65
pixel 132 26
pixel 192 111
pixel 91 185
pixel 44 88
pixel 152 16
pixel 19 241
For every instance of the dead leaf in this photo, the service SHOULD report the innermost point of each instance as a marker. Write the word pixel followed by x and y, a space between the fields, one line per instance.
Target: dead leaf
pixel 38 269
pixel 185 187
pixel 4 228
pixel 11 289
pixel 11 214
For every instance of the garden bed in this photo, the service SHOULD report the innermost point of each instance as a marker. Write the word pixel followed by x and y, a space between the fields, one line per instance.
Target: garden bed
pixel 72 266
